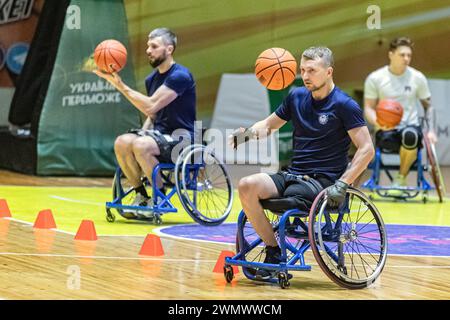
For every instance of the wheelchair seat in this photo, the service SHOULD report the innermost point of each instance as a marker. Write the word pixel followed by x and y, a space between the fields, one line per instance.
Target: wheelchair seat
pixel 280 205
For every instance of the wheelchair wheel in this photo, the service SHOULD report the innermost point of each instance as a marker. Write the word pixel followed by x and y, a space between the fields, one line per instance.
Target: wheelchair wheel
pixel 246 235
pixel 349 243
pixel 435 169
pixel 123 189
pixel 203 186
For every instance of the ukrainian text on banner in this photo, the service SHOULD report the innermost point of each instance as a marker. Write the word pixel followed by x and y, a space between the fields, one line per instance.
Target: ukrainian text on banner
pixel 82 113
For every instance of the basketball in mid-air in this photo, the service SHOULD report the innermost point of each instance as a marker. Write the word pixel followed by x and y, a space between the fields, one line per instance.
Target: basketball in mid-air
pixel 110 56
pixel 276 68
pixel 389 113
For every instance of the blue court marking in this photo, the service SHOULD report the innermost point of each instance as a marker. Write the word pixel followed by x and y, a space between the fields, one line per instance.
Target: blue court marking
pixel 402 239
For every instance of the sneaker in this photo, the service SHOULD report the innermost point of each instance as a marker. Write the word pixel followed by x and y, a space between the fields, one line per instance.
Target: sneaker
pixel 140 200
pixel 273 256
pixel 399 182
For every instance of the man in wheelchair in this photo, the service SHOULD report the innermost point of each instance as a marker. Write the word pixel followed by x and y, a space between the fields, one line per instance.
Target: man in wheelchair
pixel 170 105
pixel 325 121
pixel 406 85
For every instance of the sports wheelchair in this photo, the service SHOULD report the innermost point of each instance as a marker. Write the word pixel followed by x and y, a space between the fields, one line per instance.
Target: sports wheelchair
pixel 198 177
pixel 408 192
pixel 349 242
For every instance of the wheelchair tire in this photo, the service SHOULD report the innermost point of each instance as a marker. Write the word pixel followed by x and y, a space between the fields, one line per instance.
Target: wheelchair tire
pixel 349 244
pixel 435 168
pixel 203 186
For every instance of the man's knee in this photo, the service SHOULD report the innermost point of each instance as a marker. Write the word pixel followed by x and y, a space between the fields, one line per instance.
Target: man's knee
pixel 247 186
pixel 410 138
pixel 254 185
pixel 145 146
pixel 124 143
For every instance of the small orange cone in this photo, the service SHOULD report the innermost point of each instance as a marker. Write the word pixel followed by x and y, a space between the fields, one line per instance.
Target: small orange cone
pixel 152 246
pixel 45 220
pixel 218 268
pixel 4 209
pixel 86 231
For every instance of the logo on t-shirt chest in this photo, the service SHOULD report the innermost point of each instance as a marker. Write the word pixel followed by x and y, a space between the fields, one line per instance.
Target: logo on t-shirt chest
pixel 323 119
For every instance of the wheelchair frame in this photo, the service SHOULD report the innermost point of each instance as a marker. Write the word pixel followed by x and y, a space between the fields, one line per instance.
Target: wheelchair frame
pixel 373 183
pixel 187 180
pixel 318 235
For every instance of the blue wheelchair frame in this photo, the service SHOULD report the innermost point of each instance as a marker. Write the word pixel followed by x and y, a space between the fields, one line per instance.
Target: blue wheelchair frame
pixel 377 166
pixel 330 230
pixel 161 202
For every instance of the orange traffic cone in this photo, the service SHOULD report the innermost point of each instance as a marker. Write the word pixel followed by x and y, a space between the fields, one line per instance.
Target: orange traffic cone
pixel 4 209
pixel 86 231
pixel 152 246
pixel 45 220
pixel 218 268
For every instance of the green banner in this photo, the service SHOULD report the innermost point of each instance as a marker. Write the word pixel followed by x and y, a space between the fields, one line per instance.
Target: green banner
pixel 285 132
pixel 83 114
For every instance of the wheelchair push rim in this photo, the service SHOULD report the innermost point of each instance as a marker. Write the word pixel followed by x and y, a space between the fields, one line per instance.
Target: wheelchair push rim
pixel 435 168
pixel 349 244
pixel 203 186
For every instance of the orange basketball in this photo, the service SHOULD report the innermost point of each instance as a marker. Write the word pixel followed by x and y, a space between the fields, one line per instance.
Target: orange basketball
pixel 276 68
pixel 389 113
pixel 110 56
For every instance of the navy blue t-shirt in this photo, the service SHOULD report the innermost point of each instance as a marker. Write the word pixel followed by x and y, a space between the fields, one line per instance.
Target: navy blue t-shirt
pixel 180 113
pixel 320 139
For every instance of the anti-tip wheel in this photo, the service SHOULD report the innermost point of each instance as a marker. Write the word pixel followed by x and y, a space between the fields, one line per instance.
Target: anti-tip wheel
pixel 110 217
pixel 228 273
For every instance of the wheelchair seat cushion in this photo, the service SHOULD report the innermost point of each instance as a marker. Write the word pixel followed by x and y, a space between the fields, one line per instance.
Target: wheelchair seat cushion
pixel 280 205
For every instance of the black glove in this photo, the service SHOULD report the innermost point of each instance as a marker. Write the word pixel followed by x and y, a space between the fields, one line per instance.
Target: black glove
pixel 336 193
pixel 241 135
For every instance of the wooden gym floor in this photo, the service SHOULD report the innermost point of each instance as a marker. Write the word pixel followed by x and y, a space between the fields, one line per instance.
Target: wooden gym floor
pixel 50 264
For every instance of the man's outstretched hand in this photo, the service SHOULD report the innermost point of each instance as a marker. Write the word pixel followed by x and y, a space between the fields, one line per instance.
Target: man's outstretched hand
pixel 239 136
pixel 112 78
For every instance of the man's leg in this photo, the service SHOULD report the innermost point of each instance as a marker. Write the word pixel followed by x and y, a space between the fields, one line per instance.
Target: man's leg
pixel 123 148
pixel 410 140
pixel 145 150
pixel 407 158
pixel 252 189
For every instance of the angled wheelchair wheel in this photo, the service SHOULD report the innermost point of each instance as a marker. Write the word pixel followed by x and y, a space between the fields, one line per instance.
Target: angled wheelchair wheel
pixel 435 168
pixel 246 237
pixel 124 190
pixel 203 186
pixel 349 243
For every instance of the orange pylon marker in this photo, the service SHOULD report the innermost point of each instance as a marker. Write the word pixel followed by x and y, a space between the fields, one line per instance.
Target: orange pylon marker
pixel 4 209
pixel 45 220
pixel 86 231
pixel 218 268
pixel 152 246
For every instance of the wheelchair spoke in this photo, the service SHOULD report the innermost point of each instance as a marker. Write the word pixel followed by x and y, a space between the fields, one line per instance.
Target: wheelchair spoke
pixel 350 246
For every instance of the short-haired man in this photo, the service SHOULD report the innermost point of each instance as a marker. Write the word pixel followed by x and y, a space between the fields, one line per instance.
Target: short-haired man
pixel 169 104
pixel 325 121
pixel 406 85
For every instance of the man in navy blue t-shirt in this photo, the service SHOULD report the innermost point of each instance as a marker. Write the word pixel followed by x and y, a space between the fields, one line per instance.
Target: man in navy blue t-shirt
pixel 325 121
pixel 170 105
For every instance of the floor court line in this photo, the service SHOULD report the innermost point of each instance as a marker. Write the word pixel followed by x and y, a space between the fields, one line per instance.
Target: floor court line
pixel 101 257
pixel 177 260
pixel 164 235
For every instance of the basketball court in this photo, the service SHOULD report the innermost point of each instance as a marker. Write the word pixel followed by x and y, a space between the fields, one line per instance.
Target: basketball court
pixel 45 264
pixel 59 121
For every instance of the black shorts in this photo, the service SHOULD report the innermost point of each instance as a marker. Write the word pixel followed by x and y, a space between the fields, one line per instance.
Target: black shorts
pixel 165 143
pixel 304 187
pixel 390 141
